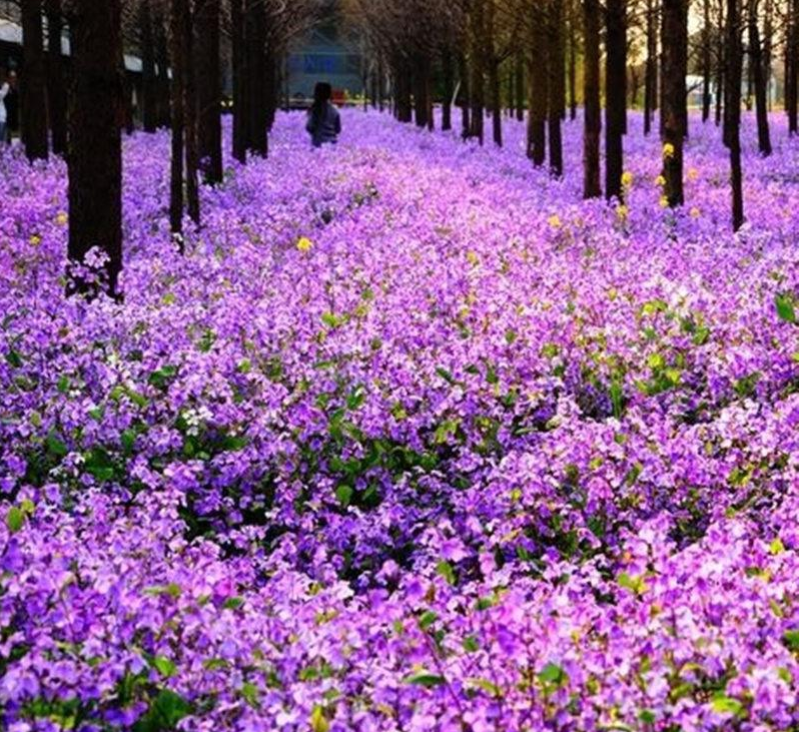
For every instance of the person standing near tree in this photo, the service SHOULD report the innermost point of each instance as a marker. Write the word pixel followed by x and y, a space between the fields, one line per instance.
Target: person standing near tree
pixel 12 106
pixel 5 87
pixel 324 123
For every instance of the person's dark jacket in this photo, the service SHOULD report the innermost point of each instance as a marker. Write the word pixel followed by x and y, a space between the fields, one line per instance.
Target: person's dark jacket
pixel 325 129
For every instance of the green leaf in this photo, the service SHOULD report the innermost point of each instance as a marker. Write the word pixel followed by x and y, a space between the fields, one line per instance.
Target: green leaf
pixel 647 716
pixel 14 359
pixel 487 686
pixel 160 378
pixel 553 674
pixel 726 705
pixel 15 519
pixel 63 384
pixel 233 603
pixel 164 666
pixel 55 446
pixel 445 569
pixel 427 619
pixel 445 374
pixel 249 692
pixel 470 644
pixel 785 306
pixel 425 679
pixel 345 494
pixel 791 639
pixel 166 710
pixel 172 589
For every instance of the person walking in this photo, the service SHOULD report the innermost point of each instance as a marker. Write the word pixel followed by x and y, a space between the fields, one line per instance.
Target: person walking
pixel 324 123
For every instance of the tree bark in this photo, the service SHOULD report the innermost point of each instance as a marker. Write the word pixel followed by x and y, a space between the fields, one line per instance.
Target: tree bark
pixel 673 83
pixel 94 159
pixel 255 38
pixel 555 84
pixel 56 78
pixel 706 59
pixel 759 80
pixel 477 68
pixel 733 109
pixel 163 84
pixel 651 67
pixel 616 48
pixel 519 86
pixel 177 12
pixel 190 115
pixel 33 88
pixel 209 92
pixel 573 62
pixel 239 147
pixel 792 65
pixel 464 96
pixel 149 91
pixel 421 71
pixel 591 97
pixel 447 77
pixel 538 91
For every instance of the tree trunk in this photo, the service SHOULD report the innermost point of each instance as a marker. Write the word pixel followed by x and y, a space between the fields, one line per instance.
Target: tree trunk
pixel 573 62
pixel 792 64
pixel 190 107
pixel 733 109
pixel 477 79
pixel 209 92
pixel 519 86
pixel 616 98
pixel 651 67
pixel 56 79
pixel 673 83
pixel 538 92
pixel 447 77
pixel 421 70
pixel 33 89
pixel 94 159
pixel 272 82
pixel 464 96
pixel 759 80
pixel 239 147
pixel 720 68
pixel 255 40
pixel 706 59
pixel 149 93
pixel 163 84
pixel 555 84
pixel 177 12
pixel 591 99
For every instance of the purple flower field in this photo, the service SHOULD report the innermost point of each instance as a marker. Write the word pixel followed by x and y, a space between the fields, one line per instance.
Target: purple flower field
pixel 412 439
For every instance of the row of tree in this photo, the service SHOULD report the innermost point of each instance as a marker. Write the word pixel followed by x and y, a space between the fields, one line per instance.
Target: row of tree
pixel 485 57
pixel 181 44
pixel 491 56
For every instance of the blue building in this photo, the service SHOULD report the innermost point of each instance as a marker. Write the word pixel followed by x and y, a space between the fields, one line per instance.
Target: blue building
pixel 327 53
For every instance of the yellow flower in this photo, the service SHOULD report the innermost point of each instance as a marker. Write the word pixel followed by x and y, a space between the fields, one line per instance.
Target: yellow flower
pixel 695 212
pixel 663 201
pixel 669 150
pixel 554 221
pixel 627 178
pixel 61 219
pixel 35 240
pixel 304 244
pixel 622 212
pixel 692 174
pixel 473 258
pixel 661 180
